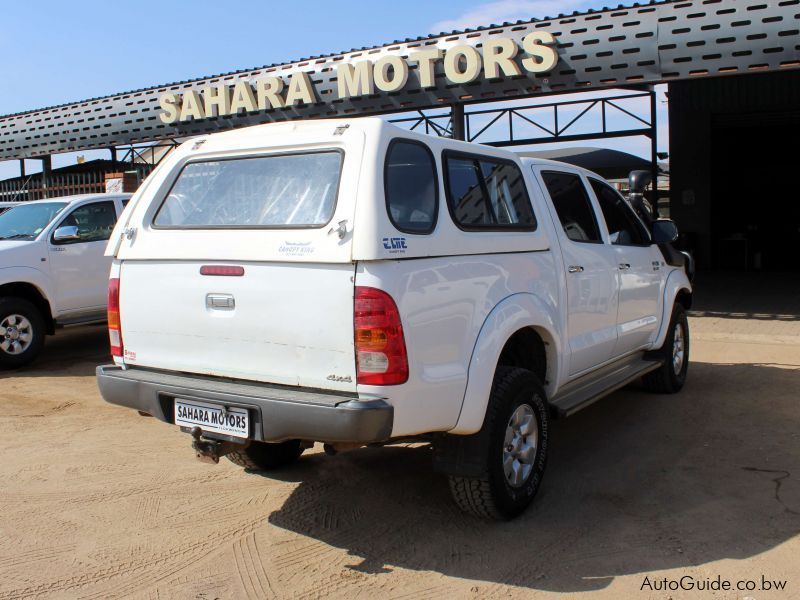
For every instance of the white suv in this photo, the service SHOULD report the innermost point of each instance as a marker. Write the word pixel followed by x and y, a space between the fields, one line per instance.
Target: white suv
pixel 53 271
pixel 352 283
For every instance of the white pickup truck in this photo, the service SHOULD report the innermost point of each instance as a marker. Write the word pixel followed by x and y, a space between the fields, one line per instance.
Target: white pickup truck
pixel 352 283
pixel 53 271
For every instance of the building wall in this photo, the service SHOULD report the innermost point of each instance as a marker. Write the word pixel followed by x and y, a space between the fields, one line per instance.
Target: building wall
pixel 696 109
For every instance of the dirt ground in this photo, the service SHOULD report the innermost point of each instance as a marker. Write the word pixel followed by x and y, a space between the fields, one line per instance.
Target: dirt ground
pixel 97 502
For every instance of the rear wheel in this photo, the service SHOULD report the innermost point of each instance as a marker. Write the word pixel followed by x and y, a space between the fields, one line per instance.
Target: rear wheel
pixel 260 456
pixel 21 332
pixel 516 422
pixel 671 375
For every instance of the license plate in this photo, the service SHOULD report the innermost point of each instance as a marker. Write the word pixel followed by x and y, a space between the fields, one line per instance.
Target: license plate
pixel 212 417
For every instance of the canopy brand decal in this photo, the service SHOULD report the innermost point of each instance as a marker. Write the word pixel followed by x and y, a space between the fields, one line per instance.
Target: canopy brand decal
pixel 501 57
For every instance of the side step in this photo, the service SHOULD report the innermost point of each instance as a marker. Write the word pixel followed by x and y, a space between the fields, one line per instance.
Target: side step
pixel 590 388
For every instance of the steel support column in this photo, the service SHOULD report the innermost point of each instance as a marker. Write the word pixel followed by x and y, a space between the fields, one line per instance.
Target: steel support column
pixel 654 149
pixel 47 169
pixel 459 122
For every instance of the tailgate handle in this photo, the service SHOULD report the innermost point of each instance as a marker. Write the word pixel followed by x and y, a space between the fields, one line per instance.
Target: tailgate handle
pixel 220 301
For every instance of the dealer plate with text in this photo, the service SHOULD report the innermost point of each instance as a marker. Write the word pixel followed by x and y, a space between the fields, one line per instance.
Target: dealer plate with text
pixel 212 417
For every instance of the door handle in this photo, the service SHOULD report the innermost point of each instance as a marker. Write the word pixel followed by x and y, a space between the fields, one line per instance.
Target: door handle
pixel 624 266
pixel 575 269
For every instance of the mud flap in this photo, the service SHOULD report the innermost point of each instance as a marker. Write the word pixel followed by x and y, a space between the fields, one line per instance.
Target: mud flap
pixel 462 455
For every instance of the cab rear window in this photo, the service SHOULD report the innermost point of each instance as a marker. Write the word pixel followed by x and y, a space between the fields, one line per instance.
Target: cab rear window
pixel 277 191
pixel 485 193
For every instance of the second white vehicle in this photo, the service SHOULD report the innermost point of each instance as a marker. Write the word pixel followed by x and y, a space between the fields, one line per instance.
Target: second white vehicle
pixel 53 271
pixel 352 283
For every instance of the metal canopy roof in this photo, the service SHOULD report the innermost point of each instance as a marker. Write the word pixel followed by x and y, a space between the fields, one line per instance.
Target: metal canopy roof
pixel 611 164
pixel 635 45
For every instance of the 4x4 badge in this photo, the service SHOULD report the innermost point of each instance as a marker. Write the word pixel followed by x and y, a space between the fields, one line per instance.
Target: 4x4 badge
pixel 340 378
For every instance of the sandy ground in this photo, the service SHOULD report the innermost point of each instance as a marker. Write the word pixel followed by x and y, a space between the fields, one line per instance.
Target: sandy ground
pixel 97 502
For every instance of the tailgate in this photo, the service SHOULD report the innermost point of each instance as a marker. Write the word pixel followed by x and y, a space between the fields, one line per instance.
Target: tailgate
pixel 281 208
pixel 285 323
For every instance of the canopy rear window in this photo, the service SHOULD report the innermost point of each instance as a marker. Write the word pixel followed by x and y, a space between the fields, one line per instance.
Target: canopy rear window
pixel 277 191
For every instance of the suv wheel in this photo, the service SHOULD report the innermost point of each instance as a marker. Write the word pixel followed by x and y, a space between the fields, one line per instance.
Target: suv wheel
pixel 517 421
pixel 671 375
pixel 260 456
pixel 21 332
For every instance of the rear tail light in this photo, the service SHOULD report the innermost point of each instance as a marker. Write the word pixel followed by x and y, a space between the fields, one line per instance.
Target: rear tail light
pixel 380 347
pixel 114 323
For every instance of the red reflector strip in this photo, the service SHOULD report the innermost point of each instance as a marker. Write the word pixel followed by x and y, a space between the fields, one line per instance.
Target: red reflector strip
pixel 222 270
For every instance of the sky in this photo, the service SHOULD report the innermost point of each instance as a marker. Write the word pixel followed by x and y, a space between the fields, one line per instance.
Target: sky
pixel 60 52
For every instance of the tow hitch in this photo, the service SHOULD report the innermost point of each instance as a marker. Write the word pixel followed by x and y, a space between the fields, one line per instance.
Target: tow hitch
pixel 210 451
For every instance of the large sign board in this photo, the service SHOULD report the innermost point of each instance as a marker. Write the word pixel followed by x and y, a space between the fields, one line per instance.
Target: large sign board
pixel 501 57
pixel 638 45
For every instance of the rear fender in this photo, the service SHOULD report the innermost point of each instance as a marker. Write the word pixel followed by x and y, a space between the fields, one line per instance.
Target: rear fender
pixel 509 316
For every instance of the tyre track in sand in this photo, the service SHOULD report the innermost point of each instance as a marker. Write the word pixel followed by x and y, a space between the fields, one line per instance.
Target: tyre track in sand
pixel 121 490
pixel 250 568
pixel 141 573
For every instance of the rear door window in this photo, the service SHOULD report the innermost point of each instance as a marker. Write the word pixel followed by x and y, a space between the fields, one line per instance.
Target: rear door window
pixel 486 193
pixel 277 191
pixel 624 227
pixel 572 205
pixel 411 186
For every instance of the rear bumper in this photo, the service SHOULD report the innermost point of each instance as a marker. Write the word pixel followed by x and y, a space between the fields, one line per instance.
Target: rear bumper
pixel 277 413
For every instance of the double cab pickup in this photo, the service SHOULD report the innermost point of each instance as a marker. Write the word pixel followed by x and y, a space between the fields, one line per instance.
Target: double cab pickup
pixel 352 283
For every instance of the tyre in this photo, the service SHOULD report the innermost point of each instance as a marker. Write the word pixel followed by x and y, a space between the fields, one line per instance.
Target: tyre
pixel 21 332
pixel 516 422
pixel 671 375
pixel 260 456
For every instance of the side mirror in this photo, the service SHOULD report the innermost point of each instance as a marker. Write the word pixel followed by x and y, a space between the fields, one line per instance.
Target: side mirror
pixel 664 231
pixel 638 181
pixel 68 233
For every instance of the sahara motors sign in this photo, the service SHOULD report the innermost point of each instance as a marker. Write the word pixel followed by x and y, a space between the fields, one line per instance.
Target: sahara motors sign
pixel 462 64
